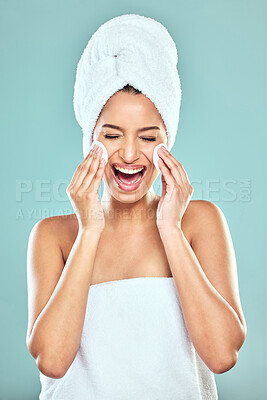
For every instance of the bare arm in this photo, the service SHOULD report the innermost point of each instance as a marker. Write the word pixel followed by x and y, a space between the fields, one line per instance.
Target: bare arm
pixel 206 280
pixel 58 295
pixel 55 336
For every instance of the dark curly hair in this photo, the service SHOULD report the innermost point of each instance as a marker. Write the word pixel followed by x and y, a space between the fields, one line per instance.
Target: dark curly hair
pixel 129 89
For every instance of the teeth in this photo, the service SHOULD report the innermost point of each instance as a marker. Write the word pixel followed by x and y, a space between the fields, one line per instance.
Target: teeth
pixel 138 179
pixel 129 171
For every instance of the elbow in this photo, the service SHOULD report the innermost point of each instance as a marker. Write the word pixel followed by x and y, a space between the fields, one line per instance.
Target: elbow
pixel 49 370
pixel 227 363
pixel 220 367
pixel 44 364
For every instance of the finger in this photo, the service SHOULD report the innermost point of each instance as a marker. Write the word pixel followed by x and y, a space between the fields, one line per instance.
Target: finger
pixel 80 167
pixel 180 167
pixel 163 185
pixel 83 171
pixel 174 168
pixel 92 170
pixel 163 151
pixel 166 172
pixel 99 174
pixel 183 171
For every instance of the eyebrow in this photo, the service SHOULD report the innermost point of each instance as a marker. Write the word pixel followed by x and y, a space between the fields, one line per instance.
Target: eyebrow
pixel 147 128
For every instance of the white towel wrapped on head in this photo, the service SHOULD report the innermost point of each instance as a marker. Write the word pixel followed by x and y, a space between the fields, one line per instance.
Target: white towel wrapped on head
pixel 128 49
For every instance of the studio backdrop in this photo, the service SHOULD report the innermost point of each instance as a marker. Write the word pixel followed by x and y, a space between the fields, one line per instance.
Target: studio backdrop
pixel 221 141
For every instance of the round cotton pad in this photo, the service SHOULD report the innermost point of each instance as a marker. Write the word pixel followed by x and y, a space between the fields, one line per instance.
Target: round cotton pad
pixel 156 156
pixel 104 154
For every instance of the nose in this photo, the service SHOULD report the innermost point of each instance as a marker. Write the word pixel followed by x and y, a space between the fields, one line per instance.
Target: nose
pixel 129 151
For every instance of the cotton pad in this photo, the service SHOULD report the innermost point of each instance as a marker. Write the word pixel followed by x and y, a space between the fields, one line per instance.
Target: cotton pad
pixel 156 156
pixel 104 154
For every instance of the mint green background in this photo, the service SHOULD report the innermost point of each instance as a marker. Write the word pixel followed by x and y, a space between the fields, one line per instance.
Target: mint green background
pixel 221 142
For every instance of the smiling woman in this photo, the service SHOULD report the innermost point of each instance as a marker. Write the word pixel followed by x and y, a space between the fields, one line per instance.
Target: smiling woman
pixel 130 140
pixel 133 296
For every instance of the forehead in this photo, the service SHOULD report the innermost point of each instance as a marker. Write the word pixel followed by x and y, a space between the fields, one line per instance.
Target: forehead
pixel 136 107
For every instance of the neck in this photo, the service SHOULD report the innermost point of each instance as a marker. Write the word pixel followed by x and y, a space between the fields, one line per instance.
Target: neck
pixel 128 215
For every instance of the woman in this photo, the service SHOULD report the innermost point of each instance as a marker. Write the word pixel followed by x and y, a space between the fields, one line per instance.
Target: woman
pixel 134 296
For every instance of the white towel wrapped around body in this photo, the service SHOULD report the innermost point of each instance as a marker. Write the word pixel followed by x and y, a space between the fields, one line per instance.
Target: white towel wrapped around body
pixel 134 346
pixel 128 49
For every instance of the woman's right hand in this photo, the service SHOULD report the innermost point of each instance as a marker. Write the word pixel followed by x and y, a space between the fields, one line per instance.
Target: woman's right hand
pixel 83 192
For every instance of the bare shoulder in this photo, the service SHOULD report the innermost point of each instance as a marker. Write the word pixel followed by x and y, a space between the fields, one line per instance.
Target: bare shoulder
pixel 62 229
pixel 57 225
pixel 197 208
pixel 61 223
pixel 201 214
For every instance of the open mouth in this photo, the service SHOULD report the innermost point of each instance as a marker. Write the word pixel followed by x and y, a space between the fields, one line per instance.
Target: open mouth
pixel 128 178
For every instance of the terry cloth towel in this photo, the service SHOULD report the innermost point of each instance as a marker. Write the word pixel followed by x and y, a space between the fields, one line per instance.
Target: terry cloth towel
pixel 134 346
pixel 128 49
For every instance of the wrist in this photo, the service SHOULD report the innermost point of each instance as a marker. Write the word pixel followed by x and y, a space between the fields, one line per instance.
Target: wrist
pixel 89 233
pixel 168 231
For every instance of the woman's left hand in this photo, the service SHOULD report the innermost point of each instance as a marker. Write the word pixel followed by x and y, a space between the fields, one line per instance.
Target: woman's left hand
pixel 176 191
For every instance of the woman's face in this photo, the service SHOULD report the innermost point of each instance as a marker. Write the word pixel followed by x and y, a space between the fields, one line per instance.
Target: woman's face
pixel 123 129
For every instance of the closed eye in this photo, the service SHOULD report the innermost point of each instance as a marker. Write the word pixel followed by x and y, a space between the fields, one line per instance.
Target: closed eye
pixel 114 137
